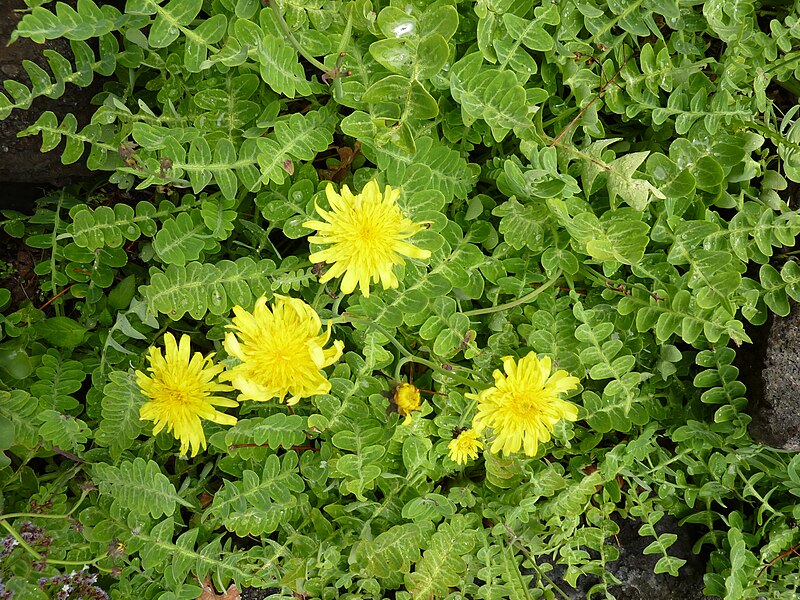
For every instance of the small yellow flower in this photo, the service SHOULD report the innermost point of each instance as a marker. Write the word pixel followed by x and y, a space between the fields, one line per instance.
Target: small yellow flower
pixel 523 405
pixel 406 398
pixel 365 234
pixel 180 391
pixel 282 351
pixel 465 446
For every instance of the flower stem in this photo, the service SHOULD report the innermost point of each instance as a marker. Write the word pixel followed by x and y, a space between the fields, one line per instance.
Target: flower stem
pixel 409 357
pixel 293 40
pixel 77 563
pixel 19 539
pixel 526 298
pixel 434 367
pixel 468 415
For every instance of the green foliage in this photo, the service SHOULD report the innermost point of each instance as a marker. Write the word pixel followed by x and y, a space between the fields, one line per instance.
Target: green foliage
pixel 138 486
pixel 608 184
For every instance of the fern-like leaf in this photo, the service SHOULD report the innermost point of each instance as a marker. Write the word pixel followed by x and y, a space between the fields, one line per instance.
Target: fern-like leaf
pixel 275 431
pixel 179 557
pixel 120 424
pixel 433 165
pixel 139 487
pixel 21 96
pixel 280 69
pixel 199 288
pixel 443 565
pixel 182 239
pixel 21 410
pixel 57 379
pixel 300 137
pixel 257 503
pixel 494 95
pixel 390 555
pixel 53 132
pixel 88 21
pixel 64 431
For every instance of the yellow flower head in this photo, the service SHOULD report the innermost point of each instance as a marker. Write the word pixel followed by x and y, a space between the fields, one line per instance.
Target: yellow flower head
pixel 523 405
pixel 180 391
pixel 406 398
pixel 464 446
pixel 365 236
pixel 282 351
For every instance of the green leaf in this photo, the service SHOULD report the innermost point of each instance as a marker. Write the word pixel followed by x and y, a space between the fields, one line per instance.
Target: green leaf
pixel 138 486
pixel 5 298
pixel 120 424
pixel 529 33
pixel 64 431
pixel 524 225
pixel 88 21
pixel 280 69
pixel 492 95
pixel 57 379
pixel 61 331
pixel 636 192
pixel 268 492
pixel 415 101
pixel 181 239
pixel 393 551
pixel 396 23
pixel 442 565
pixel 199 288
pixel 22 411
pixel 275 431
pixel 300 137
pixel 15 362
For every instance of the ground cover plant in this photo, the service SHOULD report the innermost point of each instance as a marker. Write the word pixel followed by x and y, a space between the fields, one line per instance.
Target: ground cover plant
pixel 399 299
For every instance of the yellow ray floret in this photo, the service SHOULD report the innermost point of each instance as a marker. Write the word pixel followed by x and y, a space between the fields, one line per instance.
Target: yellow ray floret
pixel 465 446
pixel 281 349
pixel 180 388
pixel 365 234
pixel 523 405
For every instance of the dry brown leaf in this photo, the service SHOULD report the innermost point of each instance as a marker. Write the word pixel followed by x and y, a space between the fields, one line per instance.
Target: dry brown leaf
pixel 209 593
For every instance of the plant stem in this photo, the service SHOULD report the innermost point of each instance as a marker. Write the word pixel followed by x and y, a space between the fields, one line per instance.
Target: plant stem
pixel 526 298
pixel 19 539
pixel 293 40
pixel 433 366
pixel 409 357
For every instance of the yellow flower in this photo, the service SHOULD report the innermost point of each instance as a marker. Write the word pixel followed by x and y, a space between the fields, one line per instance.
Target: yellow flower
pixel 365 234
pixel 406 398
pixel 523 405
pixel 180 391
pixel 465 446
pixel 282 351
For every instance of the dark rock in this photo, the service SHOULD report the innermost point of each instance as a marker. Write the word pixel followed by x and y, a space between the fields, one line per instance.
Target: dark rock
pixel 258 594
pixel 21 162
pixel 635 569
pixel 774 400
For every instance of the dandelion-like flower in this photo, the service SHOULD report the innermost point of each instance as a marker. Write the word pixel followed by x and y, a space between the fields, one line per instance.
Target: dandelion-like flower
pixel 464 446
pixel 405 397
pixel 365 236
pixel 181 389
pixel 282 351
pixel 523 405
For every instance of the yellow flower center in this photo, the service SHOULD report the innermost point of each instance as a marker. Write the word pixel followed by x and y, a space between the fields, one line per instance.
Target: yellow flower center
pixel 523 404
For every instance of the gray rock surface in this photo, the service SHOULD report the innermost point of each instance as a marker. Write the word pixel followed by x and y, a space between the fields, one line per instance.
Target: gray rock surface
pixel 635 569
pixel 21 162
pixel 775 407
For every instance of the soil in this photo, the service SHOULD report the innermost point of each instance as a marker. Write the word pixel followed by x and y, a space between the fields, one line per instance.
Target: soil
pixel 16 270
